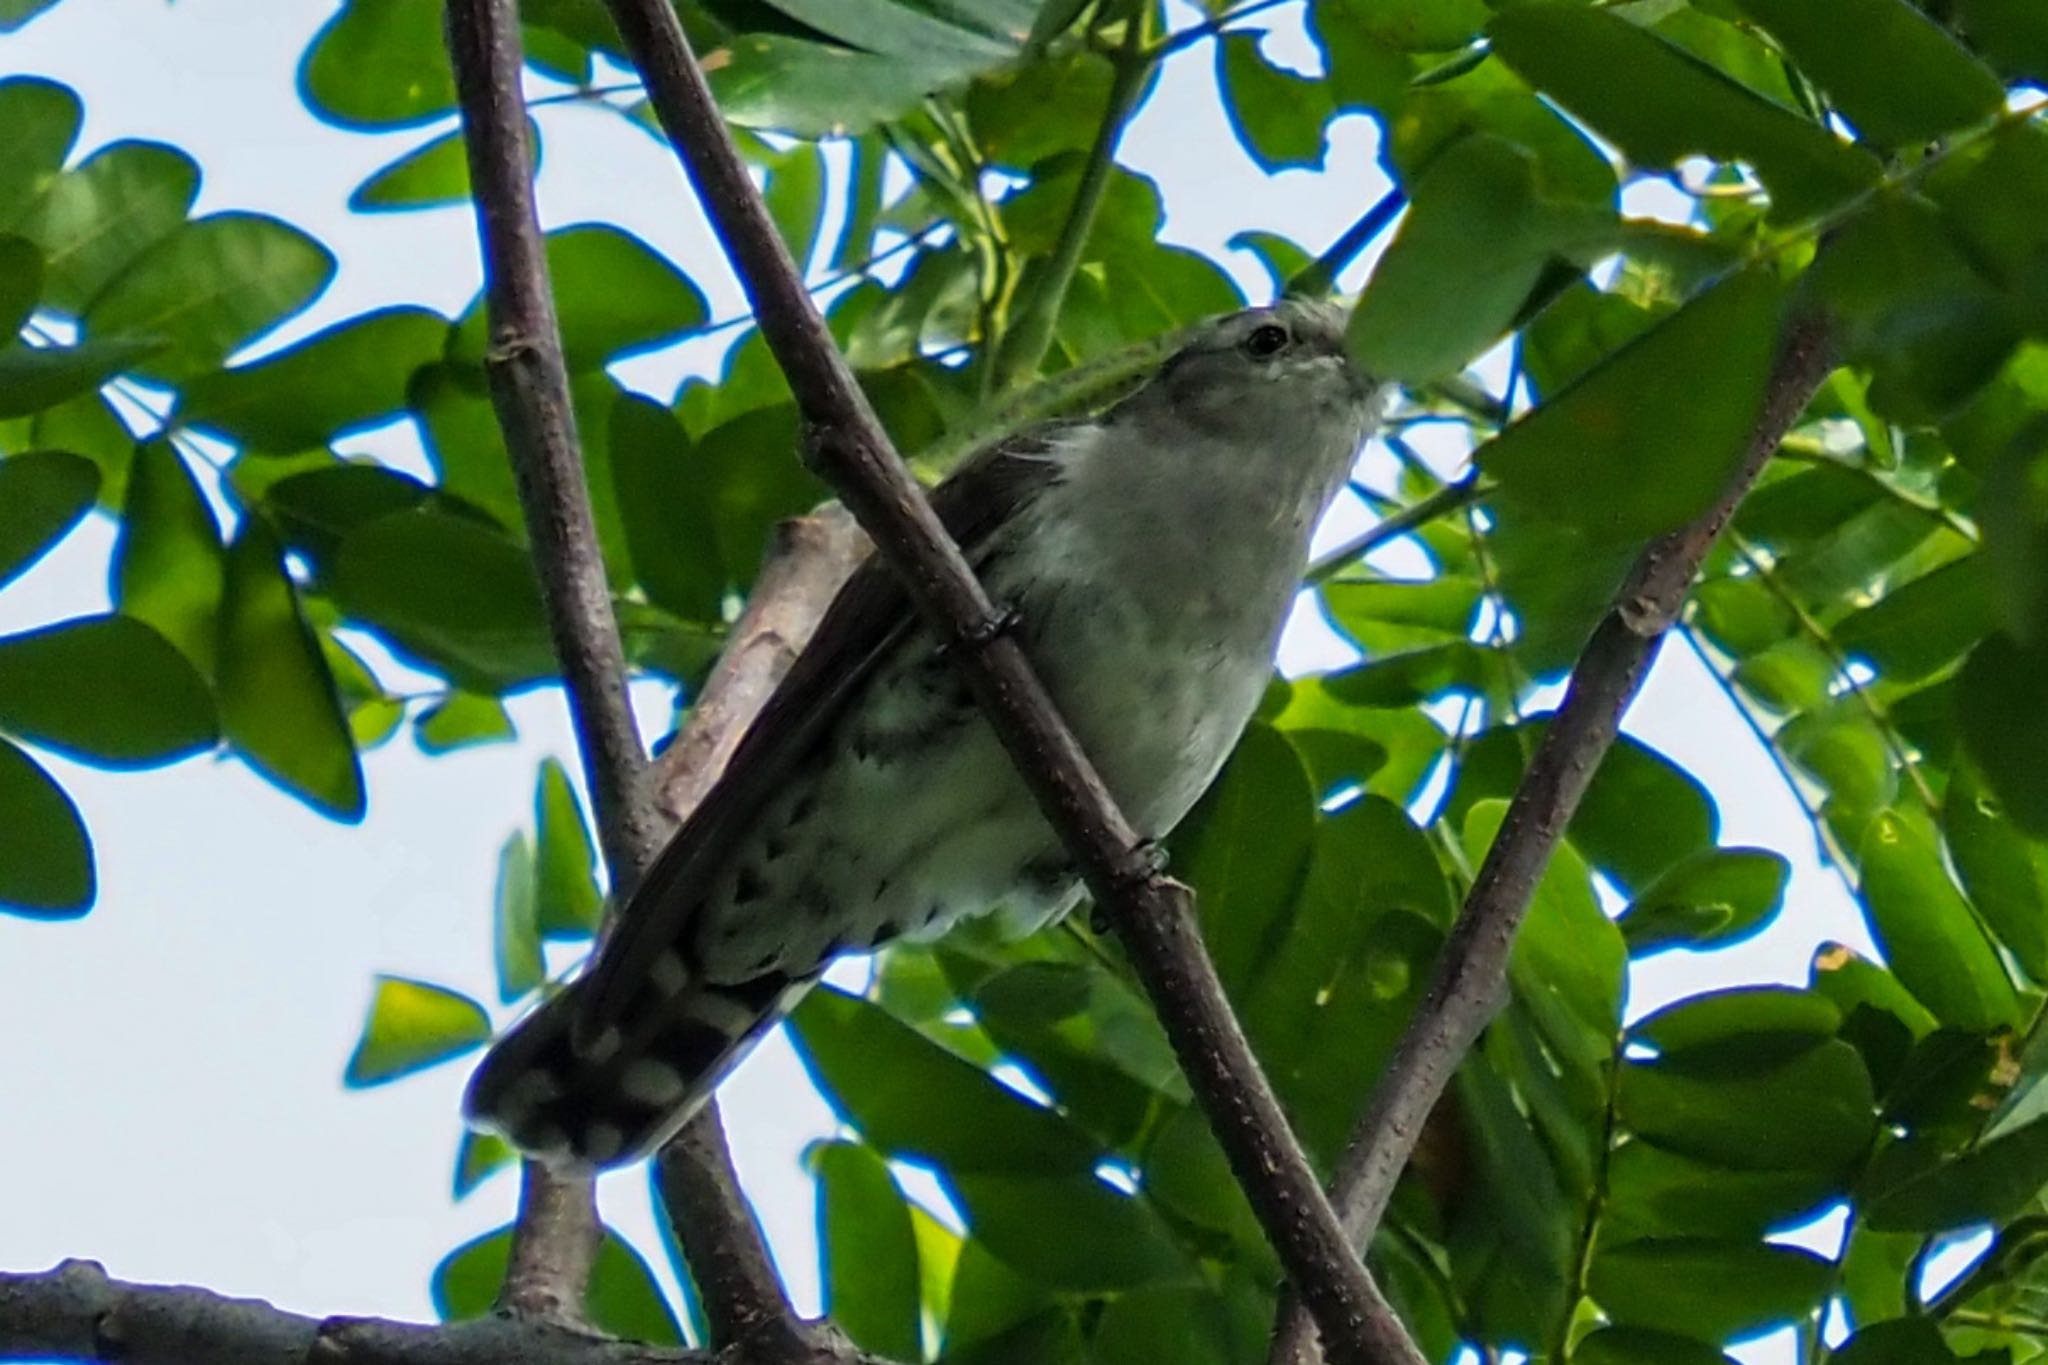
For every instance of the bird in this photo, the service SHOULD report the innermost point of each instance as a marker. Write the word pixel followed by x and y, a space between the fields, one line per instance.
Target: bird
pixel 1146 559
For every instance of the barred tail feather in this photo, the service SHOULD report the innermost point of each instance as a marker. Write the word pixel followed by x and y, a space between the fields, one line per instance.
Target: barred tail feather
pixel 621 1094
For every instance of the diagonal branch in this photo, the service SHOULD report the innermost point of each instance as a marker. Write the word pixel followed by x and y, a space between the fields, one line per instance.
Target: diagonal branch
pixel 1471 973
pixel 555 1236
pixel 1151 913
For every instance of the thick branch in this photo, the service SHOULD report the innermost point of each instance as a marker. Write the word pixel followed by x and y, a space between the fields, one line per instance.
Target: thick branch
pixel 1151 913
pixel 75 1312
pixel 1470 980
pixel 555 1237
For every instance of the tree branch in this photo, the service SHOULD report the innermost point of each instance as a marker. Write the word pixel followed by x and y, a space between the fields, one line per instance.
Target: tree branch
pixel 846 443
pixel 556 1235
pixel 75 1312
pixel 1026 343
pixel 1467 988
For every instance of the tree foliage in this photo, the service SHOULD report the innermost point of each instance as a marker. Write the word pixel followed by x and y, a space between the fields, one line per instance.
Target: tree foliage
pixel 1592 1190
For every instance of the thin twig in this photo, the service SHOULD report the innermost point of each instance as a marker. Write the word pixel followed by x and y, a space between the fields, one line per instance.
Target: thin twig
pixel 1452 497
pixel 845 442
pixel 556 1235
pixel 1469 982
pixel 1030 335
pixel 1319 277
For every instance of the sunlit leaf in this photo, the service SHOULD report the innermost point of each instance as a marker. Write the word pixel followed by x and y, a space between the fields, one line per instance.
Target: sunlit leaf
pixel 566 898
pixel 412 1025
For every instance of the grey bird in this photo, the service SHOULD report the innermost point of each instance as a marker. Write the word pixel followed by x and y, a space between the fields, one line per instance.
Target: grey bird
pixel 1149 556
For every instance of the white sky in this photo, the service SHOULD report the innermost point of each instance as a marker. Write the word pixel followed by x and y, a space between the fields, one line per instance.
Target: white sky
pixel 171 1079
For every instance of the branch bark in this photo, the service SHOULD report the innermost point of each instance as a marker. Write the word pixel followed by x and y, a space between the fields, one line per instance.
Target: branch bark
pixel 1152 914
pixel 1471 973
pixel 556 1235
pixel 76 1312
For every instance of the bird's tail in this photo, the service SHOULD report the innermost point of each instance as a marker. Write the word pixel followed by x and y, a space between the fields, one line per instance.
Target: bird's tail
pixel 624 1092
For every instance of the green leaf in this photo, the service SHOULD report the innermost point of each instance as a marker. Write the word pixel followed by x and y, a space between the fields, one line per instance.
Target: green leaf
pixel 668 519
pixel 2013 509
pixel 1911 308
pixel 1660 105
pixel 622 1300
pixel 1651 435
pixel 434 173
pixel 2005 728
pixel 1902 1341
pixel 1414 25
pixel 1477 240
pixel 1740 1025
pixel 869 1251
pixel 412 1025
pixel 349 375
pixel 39 121
pixel 1988 1184
pixel 911 1098
pixel 106 690
pixel 2005 872
pixel 1243 848
pixel 478 1155
pixel 316 509
pixel 36 377
pixel 1652 1192
pixel 104 212
pixel 48 870
pixel 795 195
pixel 1185 1326
pixel 1717 1289
pixel 378 64
pixel 1644 1346
pixel 451 592
pixel 813 90
pixel 1923 626
pixel 1714 897
pixel 2013 33
pixel 21 283
pixel 1813 1112
pixel 614 296
pixel 1888 68
pixel 167 563
pixel 515 929
pixel 1927 931
pixel 208 288
pixel 278 704
pixel 1277 115
pixel 1069 1231
pixel 42 496
pixel 461 719
pixel 567 902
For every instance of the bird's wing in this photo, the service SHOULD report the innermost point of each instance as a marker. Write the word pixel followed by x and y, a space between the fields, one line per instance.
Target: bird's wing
pixel 870 614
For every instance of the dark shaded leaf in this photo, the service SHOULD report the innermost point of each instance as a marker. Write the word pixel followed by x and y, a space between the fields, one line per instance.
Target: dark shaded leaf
pixel 911 1098
pixel 21 283
pixel 278 705
pixel 1660 104
pixel 1069 1231
pixel 350 375
pixel 1644 1346
pixel 1903 1341
pixel 1648 438
pixel 1717 1289
pixel 412 1025
pixel 104 689
pixel 1888 68
pixel 668 520
pixel 48 870
pixel 36 377
pixel 39 121
pixel 1278 116
pixel 1988 1184
pixel 1923 626
pixel 1813 1112
pixel 2005 872
pixel 2006 729
pixel 42 496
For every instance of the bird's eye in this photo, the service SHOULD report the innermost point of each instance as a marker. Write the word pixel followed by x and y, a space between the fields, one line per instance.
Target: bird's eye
pixel 1268 340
